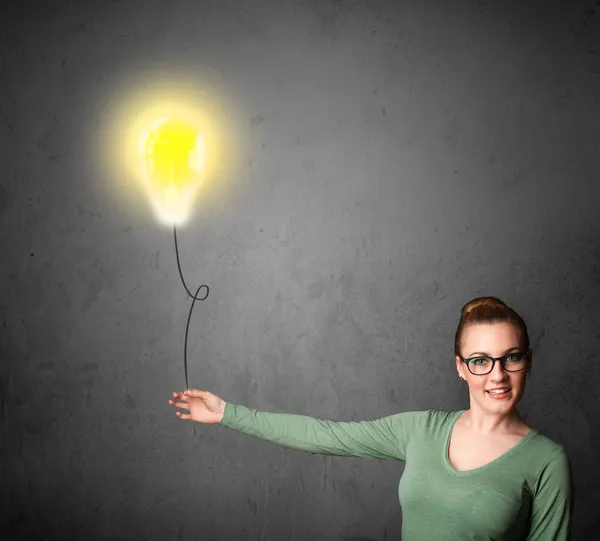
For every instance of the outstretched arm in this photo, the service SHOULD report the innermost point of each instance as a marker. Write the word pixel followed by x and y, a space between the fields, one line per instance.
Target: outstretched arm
pixel 383 438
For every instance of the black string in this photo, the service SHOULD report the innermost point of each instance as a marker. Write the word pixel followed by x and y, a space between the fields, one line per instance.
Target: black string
pixel 194 299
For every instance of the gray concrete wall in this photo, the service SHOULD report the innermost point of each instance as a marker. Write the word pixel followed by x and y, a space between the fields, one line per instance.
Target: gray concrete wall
pixel 382 164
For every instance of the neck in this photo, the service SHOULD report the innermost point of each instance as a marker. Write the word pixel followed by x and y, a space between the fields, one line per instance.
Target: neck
pixel 486 423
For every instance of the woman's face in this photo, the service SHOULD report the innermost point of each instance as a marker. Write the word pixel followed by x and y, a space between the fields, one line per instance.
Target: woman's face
pixel 492 340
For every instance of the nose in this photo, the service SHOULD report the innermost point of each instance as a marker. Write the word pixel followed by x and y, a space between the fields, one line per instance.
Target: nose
pixel 498 373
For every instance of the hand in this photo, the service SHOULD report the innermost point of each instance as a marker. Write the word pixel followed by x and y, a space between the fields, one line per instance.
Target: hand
pixel 203 406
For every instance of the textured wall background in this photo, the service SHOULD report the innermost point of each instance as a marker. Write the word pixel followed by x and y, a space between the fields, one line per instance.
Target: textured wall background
pixel 389 162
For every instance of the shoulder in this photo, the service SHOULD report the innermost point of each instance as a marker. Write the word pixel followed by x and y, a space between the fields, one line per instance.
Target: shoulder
pixel 545 448
pixel 549 463
pixel 430 420
pixel 430 415
pixel 414 419
pixel 436 417
pixel 554 475
pixel 554 454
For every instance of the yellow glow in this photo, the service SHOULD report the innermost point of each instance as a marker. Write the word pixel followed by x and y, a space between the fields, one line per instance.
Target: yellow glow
pixel 170 151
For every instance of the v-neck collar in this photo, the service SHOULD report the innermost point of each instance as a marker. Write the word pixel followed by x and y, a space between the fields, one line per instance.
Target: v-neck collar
pixel 446 449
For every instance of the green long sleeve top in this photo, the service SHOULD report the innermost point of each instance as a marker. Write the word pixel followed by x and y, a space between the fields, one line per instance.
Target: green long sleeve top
pixel 523 495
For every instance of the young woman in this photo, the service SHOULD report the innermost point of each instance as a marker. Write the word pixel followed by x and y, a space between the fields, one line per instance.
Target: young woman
pixel 475 474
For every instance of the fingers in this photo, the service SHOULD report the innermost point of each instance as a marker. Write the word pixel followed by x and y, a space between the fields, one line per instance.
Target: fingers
pixel 183 405
pixel 188 393
pixel 195 393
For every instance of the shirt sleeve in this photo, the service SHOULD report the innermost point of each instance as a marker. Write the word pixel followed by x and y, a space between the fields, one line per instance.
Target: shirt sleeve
pixel 552 501
pixel 385 438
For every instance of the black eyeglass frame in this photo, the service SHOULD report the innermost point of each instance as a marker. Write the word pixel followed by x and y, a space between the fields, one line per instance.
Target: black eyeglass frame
pixel 494 359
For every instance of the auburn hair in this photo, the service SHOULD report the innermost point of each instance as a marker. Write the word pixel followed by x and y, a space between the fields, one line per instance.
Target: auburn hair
pixel 489 310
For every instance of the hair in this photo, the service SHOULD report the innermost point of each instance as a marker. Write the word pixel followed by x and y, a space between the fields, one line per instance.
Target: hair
pixel 489 310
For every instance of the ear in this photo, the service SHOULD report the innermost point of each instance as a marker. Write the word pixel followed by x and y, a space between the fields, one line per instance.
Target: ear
pixel 459 366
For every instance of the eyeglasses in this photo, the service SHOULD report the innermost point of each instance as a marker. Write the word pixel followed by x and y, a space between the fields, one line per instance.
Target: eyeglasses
pixel 511 362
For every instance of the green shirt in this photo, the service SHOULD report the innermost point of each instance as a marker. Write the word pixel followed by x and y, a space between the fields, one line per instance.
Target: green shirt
pixel 523 495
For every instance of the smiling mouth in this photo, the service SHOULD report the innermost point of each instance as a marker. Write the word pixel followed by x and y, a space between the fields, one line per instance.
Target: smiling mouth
pixel 499 392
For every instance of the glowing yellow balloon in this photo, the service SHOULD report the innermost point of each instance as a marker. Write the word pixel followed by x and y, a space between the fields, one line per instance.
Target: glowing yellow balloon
pixel 173 158
pixel 172 155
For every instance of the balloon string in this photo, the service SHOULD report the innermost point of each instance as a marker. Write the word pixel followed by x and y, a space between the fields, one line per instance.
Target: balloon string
pixel 194 299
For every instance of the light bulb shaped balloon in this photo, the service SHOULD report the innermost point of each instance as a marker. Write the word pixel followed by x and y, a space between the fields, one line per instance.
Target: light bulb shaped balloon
pixel 172 158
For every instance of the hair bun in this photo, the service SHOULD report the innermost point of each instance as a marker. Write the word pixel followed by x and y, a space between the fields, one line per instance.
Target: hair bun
pixel 489 310
pixel 481 301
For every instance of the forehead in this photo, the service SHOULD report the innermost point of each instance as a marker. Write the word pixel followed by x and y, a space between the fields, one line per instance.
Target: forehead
pixel 488 337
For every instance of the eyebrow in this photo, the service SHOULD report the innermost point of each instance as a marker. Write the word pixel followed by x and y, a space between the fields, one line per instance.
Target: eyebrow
pixel 487 354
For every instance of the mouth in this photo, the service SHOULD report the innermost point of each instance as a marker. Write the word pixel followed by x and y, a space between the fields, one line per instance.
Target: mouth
pixel 499 393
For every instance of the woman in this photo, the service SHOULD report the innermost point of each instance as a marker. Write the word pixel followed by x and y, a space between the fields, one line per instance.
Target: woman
pixel 475 474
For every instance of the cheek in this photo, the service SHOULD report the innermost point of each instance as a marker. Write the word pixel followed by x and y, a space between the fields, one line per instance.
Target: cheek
pixel 476 384
pixel 518 383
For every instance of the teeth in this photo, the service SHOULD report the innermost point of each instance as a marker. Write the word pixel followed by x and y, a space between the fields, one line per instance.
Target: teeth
pixel 499 391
